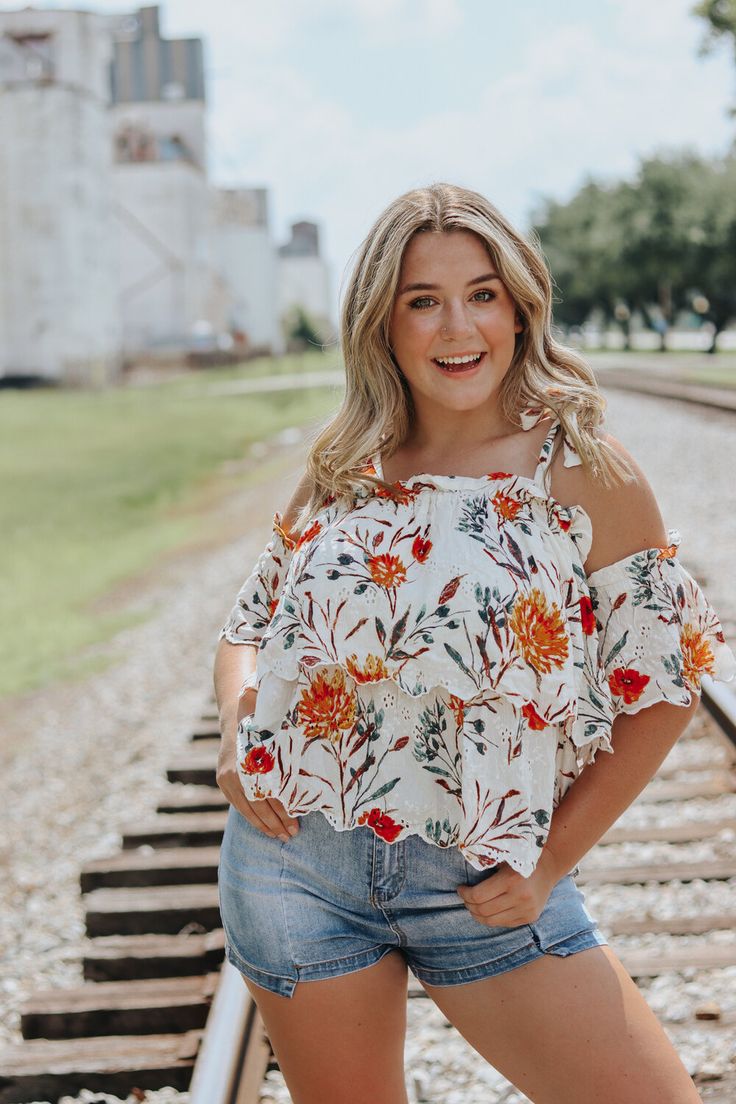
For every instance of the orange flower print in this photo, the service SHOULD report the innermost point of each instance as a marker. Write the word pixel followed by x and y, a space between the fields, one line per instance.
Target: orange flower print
pixel 505 506
pixel 667 553
pixel 382 824
pixel 326 708
pixel 539 631
pixel 697 656
pixel 257 761
pixel 387 570
pixel 587 617
pixel 309 533
pixel 420 549
pixel 627 683
pixel 533 719
pixel 374 668
pixel 457 705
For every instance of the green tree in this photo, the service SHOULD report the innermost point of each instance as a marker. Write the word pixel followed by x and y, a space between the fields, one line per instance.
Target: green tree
pixel 580 241
pixel 720 17
pixel 712 253
pixel 657 224
pixel 300 330
pixel 652 244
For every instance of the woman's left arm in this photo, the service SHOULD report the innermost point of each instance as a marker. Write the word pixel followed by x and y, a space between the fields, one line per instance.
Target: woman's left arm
pixel 657 634
pixel 626 520
pixel 607 786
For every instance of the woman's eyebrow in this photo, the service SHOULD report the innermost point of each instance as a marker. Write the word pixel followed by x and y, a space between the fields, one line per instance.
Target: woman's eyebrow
pixel 436 287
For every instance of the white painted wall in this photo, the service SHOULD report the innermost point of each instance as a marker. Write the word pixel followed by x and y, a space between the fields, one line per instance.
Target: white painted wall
pixel 166 266
pixel 305 281
pixel 58 284
pixel 167 117
pixel 246 257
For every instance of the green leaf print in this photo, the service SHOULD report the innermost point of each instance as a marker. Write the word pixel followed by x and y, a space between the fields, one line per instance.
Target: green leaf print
pixel 457 658
pixel 381 791
pixel 616 649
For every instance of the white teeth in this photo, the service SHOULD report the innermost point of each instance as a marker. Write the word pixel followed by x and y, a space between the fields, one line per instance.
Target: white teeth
pixel 458 360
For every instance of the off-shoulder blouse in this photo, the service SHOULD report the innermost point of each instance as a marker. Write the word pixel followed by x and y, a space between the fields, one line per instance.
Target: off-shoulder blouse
pixel 437 663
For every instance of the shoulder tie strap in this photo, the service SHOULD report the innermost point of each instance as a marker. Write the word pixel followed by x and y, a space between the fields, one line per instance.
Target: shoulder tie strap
pixel 570 456
pixel 541 474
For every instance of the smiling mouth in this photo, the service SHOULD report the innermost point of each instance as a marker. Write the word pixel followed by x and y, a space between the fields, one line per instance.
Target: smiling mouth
pixel 453 365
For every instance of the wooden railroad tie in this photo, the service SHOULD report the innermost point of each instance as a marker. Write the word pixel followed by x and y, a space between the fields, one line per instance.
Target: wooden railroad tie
pixel 155 943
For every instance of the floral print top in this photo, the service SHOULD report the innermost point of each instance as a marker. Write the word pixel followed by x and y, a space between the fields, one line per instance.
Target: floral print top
pixel 437 663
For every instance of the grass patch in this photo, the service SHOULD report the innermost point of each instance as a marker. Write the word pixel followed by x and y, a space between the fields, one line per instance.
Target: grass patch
pixel 98 486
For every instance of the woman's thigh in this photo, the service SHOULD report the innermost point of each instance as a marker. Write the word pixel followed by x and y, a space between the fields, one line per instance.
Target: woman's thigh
pixel 564 1029
pixel 341 1039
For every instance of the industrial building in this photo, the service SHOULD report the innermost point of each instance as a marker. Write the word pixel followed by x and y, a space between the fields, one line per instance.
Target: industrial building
pixel 114 240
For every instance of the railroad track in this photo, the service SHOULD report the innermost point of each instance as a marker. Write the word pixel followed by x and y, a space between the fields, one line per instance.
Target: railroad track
pixel 161 1007
pixel 648 382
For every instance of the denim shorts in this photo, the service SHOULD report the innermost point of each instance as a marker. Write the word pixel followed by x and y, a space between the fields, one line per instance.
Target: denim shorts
pixel 327 903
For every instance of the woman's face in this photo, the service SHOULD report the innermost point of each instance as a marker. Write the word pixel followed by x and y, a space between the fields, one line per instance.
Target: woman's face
pixel 462 308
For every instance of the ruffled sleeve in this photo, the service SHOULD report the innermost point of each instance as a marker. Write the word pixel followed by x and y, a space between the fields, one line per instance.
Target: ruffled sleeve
pixel 657 632
pixel 258 597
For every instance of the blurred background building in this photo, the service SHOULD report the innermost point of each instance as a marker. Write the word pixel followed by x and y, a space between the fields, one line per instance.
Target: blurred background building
pixel 121 245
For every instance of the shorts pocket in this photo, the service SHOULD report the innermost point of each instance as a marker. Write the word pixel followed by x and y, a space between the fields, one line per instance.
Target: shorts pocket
pixel 473 876
pixel 563 917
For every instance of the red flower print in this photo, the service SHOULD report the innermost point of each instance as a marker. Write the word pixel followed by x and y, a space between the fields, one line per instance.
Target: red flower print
pixel 387 570
pixel 533 719
pixel 587 617
pixel 309 533
pixel 420 549
pixel 499 475
pixel 382 824
pixel 457 705
pixel 627 683
pixel 505 506
pixel 257 761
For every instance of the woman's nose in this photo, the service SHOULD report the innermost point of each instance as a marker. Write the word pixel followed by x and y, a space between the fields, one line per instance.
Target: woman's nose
pixel 456 321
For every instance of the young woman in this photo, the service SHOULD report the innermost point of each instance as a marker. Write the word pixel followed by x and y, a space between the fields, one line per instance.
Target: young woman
pixel 470 595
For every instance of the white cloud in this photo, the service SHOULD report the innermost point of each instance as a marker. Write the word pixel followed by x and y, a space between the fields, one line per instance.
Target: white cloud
pixel 573 105
pixel 585 97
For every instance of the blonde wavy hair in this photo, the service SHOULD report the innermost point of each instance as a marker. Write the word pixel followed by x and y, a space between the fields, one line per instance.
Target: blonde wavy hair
pixel 376 411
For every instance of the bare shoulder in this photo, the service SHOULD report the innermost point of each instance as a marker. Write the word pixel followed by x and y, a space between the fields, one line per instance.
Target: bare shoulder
pixel 625 518
pixel 299 498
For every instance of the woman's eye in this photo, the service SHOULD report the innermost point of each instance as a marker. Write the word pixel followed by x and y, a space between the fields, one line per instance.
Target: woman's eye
pixel 425 300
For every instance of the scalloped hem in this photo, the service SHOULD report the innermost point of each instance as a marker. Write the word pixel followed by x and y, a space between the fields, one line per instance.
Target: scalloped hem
pixel 231 636
pixel 525 868
pixel 470 696
pixel 633 708
pixel 587 751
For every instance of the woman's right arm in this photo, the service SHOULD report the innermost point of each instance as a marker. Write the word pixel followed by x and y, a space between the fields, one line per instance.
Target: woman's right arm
pixel 235 661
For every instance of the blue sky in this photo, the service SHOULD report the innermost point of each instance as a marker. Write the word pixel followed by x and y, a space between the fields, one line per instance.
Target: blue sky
pixel 337 106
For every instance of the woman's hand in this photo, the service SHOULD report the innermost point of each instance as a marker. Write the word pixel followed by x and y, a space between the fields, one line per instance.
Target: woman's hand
pixel 507 898
pixel 269 816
